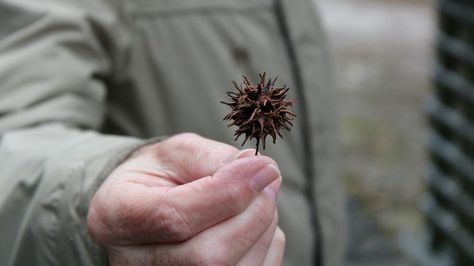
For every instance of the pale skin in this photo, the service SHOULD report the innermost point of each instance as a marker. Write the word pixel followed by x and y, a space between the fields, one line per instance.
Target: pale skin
pixel 189 200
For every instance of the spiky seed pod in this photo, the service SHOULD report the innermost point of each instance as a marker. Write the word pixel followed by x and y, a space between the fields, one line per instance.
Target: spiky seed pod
pixel 259 110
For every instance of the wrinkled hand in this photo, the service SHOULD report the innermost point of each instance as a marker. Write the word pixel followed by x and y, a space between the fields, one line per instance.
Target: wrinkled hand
pixel 189 201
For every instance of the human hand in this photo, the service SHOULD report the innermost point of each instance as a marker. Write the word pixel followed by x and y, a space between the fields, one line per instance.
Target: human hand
pixel 189 201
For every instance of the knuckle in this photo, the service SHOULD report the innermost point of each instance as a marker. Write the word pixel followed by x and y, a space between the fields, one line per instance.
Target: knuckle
pixel 181 142
pixel 233 199
pixel 264 212
pixel 126 214
pixel 173 224
pixel 93 225
pixel 208 149
pixel 97 225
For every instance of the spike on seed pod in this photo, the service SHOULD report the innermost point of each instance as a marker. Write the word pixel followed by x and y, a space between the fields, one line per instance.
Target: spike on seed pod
pixel 259 110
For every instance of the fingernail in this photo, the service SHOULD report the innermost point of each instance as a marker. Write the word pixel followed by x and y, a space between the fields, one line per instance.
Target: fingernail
pixel 274 188
pixel 240 154
pixel 264 177
pixel 245 153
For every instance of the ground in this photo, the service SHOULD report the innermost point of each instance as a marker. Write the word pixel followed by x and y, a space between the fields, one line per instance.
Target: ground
pixel 383 59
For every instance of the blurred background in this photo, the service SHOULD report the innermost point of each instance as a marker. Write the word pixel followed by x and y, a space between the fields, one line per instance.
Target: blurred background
pixel 383 54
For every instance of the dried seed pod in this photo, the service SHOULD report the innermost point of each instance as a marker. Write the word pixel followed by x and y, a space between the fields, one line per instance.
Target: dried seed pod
pixel 259 110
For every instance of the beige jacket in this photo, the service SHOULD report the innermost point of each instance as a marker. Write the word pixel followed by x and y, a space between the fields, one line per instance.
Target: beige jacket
pixel 83 83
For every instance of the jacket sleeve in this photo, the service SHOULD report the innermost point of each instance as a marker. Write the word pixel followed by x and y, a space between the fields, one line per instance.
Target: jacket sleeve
pixel 55 60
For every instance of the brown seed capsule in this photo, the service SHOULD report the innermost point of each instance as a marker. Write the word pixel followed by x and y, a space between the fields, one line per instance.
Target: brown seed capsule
pixel 259 110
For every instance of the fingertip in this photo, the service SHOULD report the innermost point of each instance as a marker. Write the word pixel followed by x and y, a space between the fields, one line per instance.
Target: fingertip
pixel 239 154
pixel 274 188
pixel 246 153
pixel 254 173
pixel 260 159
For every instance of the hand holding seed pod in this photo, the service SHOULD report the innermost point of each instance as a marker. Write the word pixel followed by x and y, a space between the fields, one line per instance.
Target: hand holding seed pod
pixel 259 110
